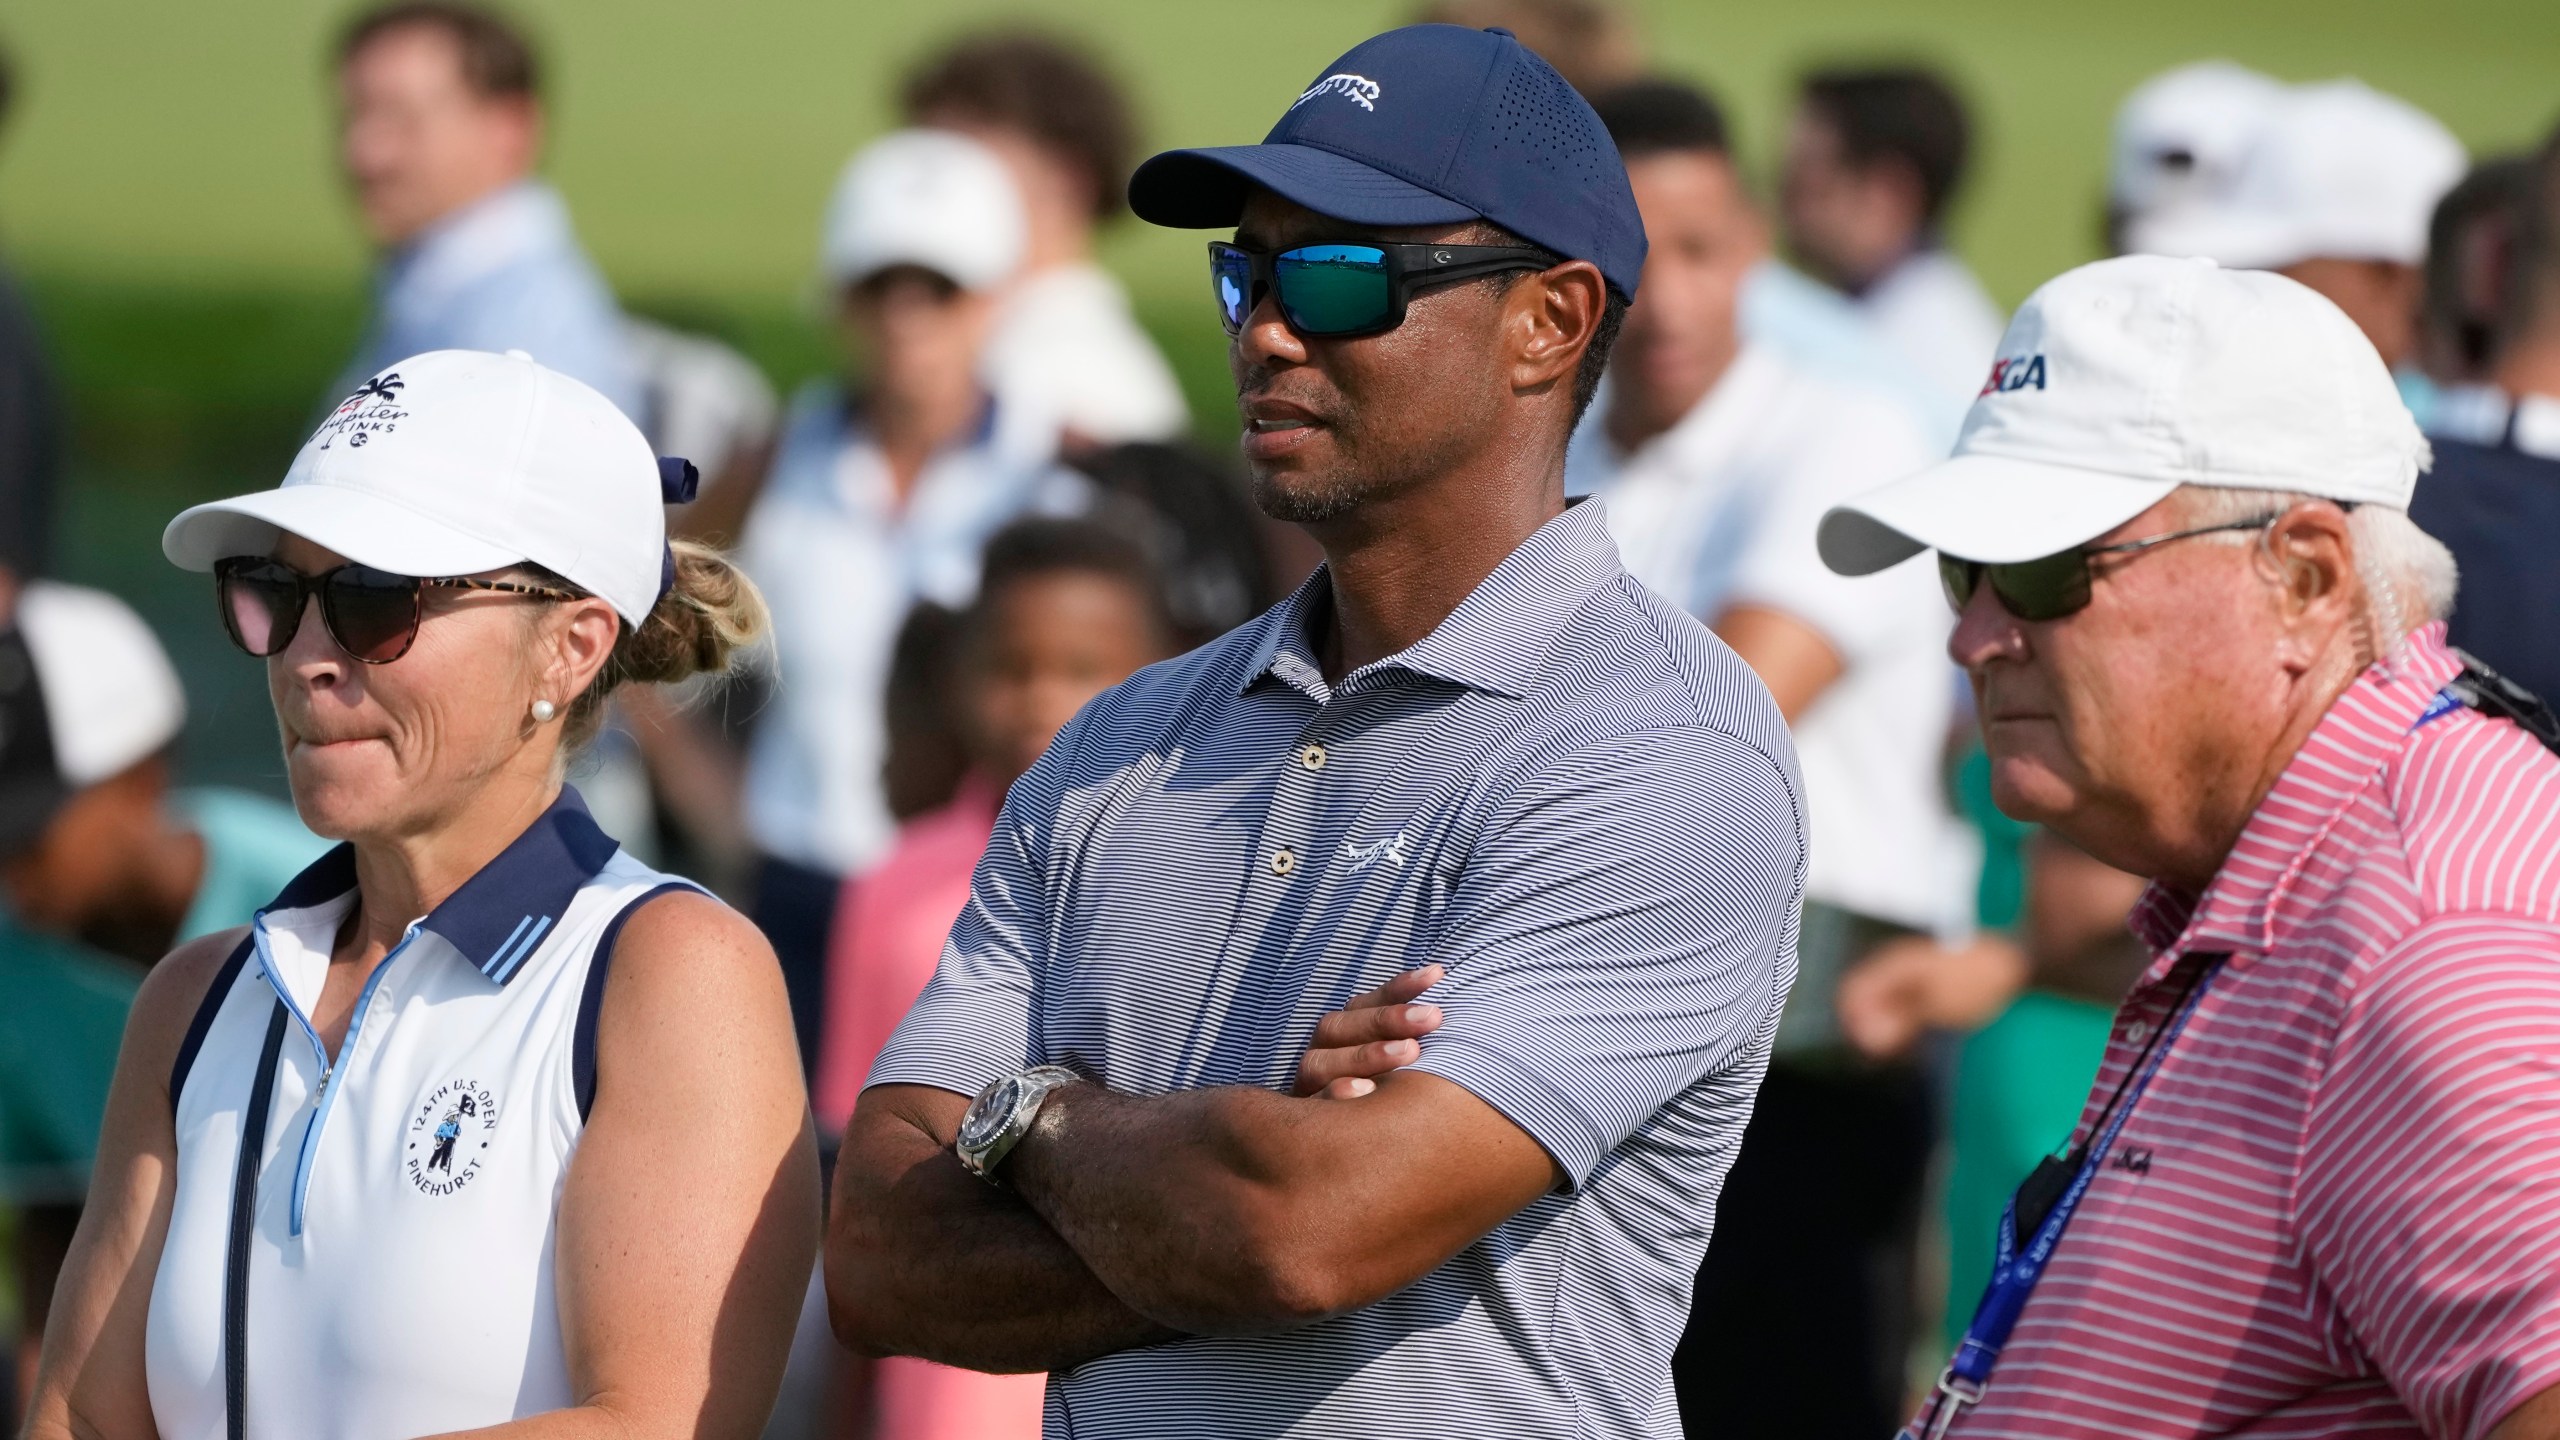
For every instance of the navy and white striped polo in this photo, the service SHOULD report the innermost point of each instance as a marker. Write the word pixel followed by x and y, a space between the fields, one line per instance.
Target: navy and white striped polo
pixel 1569 793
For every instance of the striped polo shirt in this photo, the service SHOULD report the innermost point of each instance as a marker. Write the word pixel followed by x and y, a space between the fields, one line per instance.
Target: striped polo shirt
pixel 2336 1211
pixel 1569 793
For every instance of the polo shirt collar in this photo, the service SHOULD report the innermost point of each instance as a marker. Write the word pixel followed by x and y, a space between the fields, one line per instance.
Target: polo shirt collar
pixel 1497 639
pixel 2365 729
pixel 498 916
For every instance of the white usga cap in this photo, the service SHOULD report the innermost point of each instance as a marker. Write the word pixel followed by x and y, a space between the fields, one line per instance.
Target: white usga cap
pixel 2338 171
pixel 2119 382
pixel 2180 135
pixel 928 198
pixel 456 462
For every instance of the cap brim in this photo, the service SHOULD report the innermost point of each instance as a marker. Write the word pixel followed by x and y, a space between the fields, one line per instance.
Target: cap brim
pixel 366 528
pixel 1981 507
pixel 1206 189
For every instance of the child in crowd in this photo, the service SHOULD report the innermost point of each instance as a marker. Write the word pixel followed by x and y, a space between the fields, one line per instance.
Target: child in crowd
pixel 1065 609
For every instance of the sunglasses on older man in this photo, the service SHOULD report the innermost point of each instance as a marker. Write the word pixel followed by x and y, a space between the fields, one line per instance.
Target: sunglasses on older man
pixel 372 614
pixel 2053 586
pixel 1337 291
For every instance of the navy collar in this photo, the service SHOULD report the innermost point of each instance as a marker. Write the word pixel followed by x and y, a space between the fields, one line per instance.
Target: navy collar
pixel 499 915
pixel 1497 639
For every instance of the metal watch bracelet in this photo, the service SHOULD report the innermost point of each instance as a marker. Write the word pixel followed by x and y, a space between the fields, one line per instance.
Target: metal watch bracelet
pixel 1002 1114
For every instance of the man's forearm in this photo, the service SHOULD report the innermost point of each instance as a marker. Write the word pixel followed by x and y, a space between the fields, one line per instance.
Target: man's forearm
pixel 925 1259
pixel 1168 1198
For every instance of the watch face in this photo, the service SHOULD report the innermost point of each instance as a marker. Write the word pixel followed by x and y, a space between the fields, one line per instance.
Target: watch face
pixel 986 1118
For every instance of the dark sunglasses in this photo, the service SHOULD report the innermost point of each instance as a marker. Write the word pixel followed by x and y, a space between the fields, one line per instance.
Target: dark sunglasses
pixel 372 614
pixel 2052 586
pixel 1335 291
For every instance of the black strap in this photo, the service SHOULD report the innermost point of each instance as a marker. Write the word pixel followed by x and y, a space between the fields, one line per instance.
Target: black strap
pixel 2491 693
pixel 244 1219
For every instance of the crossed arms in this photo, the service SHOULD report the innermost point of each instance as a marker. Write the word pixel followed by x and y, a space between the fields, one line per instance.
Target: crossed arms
pixel 1128 1221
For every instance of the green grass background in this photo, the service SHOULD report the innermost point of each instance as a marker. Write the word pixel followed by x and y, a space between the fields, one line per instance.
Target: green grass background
pixel 167 186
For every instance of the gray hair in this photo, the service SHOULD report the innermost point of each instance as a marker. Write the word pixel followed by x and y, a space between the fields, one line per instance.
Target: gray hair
pixel 2409 576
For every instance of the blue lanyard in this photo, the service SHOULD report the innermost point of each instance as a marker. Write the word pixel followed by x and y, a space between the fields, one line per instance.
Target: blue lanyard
pixel 2015 1269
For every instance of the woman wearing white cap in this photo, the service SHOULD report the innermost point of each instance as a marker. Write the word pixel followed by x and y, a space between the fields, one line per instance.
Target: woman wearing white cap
pixel 482 1120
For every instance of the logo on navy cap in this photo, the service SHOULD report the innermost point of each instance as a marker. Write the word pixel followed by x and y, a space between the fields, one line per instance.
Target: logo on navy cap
pixel 1360 90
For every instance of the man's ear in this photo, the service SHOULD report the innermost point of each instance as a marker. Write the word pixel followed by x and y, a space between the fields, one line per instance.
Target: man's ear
pixel 1553 317
pixel 2310 556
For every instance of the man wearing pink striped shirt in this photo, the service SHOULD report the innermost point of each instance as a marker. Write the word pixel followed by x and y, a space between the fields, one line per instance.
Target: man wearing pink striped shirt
pixel 2316 1188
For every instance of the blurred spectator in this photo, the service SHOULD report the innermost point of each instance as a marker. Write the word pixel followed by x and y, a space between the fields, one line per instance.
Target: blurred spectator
pixel 1716 456
pixel 1199 529
pixel 441 125
pixel 104 870
pixel 2179 138
pixel 2495 502
pixel 1874 158
pixel 1067 608
pixel 30 421
pixel 880 494
pixel 2472 244
pixel 1066 345
pixel 2335 191
pixel 700 399
pixel 1592 44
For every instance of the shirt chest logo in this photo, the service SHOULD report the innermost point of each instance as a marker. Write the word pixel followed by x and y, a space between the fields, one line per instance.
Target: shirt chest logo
pixel 1393 850
pixel 449 1134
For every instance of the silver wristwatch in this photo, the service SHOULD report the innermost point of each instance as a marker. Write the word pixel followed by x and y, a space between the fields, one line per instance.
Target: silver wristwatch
pixel 1002 1115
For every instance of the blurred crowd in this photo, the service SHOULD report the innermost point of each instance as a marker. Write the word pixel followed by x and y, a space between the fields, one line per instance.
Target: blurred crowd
pixel 996 509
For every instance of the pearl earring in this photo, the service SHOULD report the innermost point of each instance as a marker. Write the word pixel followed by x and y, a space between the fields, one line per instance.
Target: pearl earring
pixel 543 710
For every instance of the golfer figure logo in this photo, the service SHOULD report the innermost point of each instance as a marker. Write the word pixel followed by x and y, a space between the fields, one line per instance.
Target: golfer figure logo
pixel 449 1136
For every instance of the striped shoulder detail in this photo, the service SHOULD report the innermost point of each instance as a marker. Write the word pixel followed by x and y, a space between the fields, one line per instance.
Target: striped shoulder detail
pixel 206 1009
pixel 582 1049
pixel 2477 802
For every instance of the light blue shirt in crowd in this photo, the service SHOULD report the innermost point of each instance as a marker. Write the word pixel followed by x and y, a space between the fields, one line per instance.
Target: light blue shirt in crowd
pixel 1570 794
pixel 842 557
pixel 505 273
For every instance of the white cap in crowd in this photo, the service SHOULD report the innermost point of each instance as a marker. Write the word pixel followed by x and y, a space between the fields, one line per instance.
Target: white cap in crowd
pixel 86 693
pixel 2119 382
pixel 2180 135
pixel 2337 171
pixel 456 462
pixel 928 198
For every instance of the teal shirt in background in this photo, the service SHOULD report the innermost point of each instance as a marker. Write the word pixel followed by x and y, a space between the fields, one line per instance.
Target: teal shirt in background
pixel 2020 1080
pixel 63 1004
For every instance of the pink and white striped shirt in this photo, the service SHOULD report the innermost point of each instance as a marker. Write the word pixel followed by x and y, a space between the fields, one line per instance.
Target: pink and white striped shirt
pixel 2336 1211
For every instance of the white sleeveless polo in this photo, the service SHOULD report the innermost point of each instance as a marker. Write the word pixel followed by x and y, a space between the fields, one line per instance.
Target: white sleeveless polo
pixel 400 1273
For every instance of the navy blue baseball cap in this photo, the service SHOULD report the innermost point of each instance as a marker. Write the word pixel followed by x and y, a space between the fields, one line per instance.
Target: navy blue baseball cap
pixel 1427 125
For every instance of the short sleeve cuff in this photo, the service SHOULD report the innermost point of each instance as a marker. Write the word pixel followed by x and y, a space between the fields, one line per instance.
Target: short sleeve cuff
pixel 1527 1099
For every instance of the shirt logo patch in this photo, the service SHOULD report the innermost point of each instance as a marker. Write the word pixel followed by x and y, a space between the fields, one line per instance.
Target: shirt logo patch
pixel 447 1135
pixel 2014 372
pixel 1366 857
pixel 1360 90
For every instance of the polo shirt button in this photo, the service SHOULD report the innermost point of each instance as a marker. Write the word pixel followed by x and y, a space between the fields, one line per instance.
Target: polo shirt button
pixel 1312 757
pixel 2137 1031
pixel 1283 860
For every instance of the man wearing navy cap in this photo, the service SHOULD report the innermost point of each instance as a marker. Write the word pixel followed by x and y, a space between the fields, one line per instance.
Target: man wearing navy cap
pixel 1363 1010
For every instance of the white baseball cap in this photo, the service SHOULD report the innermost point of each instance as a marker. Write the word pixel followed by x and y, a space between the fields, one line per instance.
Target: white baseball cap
pixel 2338 171
pixel 111 697
pixel 2119 382
pixel 2180 135
pixel 930 198
pixel 460 461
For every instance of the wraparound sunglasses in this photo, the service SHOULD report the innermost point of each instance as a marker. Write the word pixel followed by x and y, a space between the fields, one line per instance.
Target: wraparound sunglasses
pixel 2052 586
pixel 372 614
pixel 1337 291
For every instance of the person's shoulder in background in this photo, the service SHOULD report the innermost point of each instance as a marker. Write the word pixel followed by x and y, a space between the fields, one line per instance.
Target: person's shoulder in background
pixel 1822 330
pixel 1067 346
pixel 253 847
